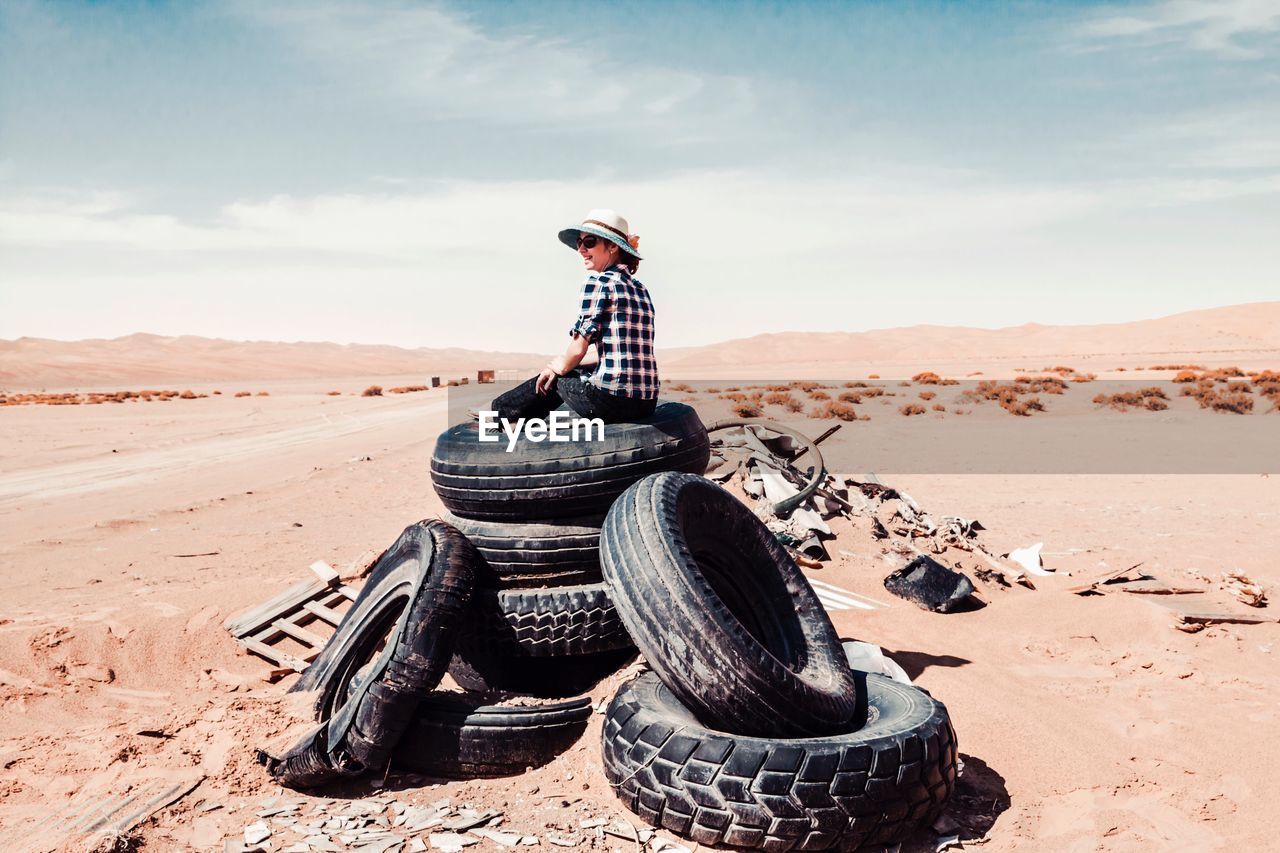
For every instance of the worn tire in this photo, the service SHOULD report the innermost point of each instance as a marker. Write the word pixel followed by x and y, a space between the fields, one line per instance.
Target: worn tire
pixel 391 648
pixel 721 612
pixel 458 736
pixel 532 554
pixel 543 480
pixel 873 786
pixel 548 678
pixel 565 620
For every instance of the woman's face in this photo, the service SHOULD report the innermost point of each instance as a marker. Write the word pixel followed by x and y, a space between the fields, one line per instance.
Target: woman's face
pixel 597 253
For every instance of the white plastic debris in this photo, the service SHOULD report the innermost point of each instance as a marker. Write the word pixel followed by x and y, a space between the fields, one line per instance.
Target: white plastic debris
pixel 1029 559
pixel 867 657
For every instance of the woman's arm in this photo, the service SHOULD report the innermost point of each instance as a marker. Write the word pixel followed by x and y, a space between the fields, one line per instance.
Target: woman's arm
pixel 559 366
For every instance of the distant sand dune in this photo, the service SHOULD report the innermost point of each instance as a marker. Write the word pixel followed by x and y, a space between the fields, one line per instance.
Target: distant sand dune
pixel 29 363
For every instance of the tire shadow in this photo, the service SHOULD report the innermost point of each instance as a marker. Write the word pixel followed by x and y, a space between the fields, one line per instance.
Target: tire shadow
pixel 915 663
pixel 979 798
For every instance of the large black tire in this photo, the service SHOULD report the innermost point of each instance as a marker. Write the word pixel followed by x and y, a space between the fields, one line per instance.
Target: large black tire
pixel 391 648
pixel 869 787
pixel 549 678
pixel 722 613
pixel 457 736
pixel 565 620
pixel 543 480
pixel 534 554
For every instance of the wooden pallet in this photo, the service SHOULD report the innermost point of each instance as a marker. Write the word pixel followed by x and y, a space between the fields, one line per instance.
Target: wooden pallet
pixel 288 615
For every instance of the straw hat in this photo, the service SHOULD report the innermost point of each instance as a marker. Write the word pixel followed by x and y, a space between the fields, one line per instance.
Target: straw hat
pixel 608 225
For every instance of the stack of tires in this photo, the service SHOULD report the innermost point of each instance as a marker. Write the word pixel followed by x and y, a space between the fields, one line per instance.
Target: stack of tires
pixel 542 621
pixel 752 731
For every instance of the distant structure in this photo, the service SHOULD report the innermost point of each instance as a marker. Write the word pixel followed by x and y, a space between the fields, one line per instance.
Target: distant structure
pixel 484 376
pixel 435 381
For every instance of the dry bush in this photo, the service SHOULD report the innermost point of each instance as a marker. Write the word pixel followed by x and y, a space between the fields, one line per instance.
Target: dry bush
pixel 850 397
pixel 873 391
pixel 681 388
pixel 855 385
pixel 927 378
pixel 904 384
pixel 778 398
pixel 1223 401
pixel 927 395
pixel 452 383
pixel 217 393
pixel 406 389
pixel 1083 377
pixel 1170 367
pixel 737 398
pixel 794 406
pixel 911 409
pixel 264 394
pixel 1239 387
pixel 713 390
pixel 938 407
pixel 834 409
pixel 1059 369
pixel 1120 369
pixel 808 385
pixel 733 388
pixel 1152 398
pixel 873 375
pixel 819 395
pixel 1022 408
pixel 335 393
pixel 244 393
pixel 1186 376
pixel 777 388
pixel 188 395
pixel 372 391
pixel 747 410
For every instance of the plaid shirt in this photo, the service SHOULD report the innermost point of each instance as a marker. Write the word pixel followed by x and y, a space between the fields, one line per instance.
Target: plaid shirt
pixel 616 314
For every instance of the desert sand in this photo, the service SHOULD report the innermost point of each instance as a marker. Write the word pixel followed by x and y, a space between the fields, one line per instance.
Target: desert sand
pixel 1085 723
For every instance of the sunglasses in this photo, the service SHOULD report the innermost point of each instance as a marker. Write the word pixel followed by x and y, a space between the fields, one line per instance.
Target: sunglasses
pixel 588 241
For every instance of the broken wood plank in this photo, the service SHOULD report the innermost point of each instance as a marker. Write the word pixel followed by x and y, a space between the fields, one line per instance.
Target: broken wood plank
pixel 326 614
pixel 263 614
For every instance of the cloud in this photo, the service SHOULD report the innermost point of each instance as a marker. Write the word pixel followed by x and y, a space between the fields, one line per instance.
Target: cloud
pixel 1237 29
pixel 440 60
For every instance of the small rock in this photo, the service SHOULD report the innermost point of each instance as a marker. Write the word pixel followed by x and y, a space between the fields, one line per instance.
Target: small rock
pixel 256 833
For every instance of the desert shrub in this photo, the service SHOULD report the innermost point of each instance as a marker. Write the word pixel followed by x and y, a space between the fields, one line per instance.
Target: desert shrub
pixel 873 391
pixel 1241 387
pixel 819 395
pixel 938 407
pixel 778 398
pixel 850 397
pixel 873 375
pixel 1022 408
pixel 682 388
pixel 807 385
pixel 855 385
pixel 834 409
pixel 244 393
pixel 926 378
pixel 733 388
pixel 1152 398
pixel 264 394
pixel 335 393
pixel 1059 369
pixel 406 389
pixel 747 410
pixel 188 395
pixel 735 397
pixel 911 409
pixel 1186 376
pixel 1170 367
pixel 215 393
pixel 927 395
pixel 713 390
pixel 372 391
pixel 1225 401
pixel 1084 377
pixel 794 406
pixel 777 388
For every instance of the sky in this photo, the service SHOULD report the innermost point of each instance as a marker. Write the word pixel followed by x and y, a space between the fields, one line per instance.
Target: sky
pixel 397 172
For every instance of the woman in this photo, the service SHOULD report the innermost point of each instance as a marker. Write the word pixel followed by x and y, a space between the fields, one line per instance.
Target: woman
pixel 616 314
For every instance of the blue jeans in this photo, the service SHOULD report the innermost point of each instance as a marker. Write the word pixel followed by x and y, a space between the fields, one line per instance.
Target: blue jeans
pixel 587 400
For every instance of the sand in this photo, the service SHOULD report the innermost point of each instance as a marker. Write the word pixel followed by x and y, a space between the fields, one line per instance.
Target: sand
pixel 1084 723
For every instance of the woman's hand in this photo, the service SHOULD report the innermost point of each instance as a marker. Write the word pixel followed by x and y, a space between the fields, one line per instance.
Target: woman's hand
pixel 546 380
